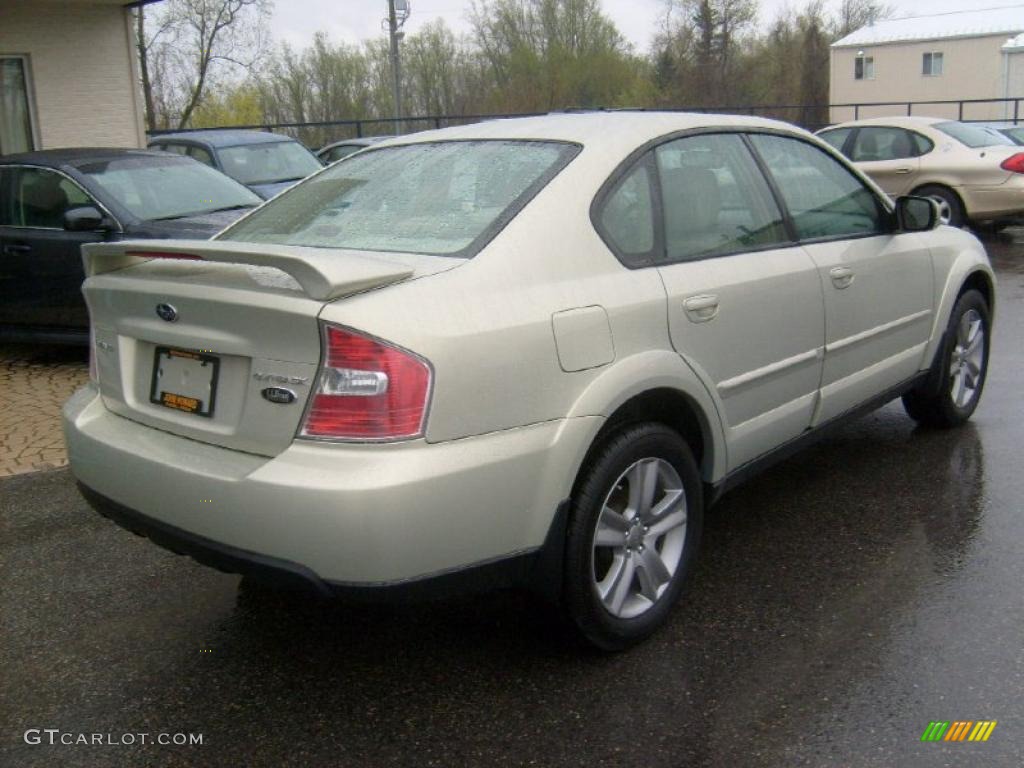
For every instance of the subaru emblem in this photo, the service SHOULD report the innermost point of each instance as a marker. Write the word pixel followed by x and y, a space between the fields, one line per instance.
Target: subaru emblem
pixel 166 312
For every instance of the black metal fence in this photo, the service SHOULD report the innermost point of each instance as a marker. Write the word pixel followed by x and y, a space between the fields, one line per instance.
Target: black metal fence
pixel 810 116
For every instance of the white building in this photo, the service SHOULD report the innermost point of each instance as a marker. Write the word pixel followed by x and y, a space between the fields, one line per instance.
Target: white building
pixel 975 54
pixel 68 75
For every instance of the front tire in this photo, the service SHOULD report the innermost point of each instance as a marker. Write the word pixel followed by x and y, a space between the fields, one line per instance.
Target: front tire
pixel 633 534
pixel 954 389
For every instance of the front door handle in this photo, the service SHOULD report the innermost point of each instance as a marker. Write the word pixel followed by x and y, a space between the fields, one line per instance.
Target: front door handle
pixel 700 309
pixel 903 170
pixel 842 277
pixel 13 249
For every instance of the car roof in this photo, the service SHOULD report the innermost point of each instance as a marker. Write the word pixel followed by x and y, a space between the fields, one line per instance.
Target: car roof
pixel 222 138
pixel 898 121
pixel 611 130
pixel 74 156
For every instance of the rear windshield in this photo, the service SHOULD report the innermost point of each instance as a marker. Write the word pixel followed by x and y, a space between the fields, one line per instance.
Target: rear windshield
pixel 268 162
pixel 439 198
pixel 973 136
pixel 156 188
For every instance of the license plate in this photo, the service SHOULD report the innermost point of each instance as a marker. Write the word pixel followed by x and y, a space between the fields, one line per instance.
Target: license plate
pixel 184 380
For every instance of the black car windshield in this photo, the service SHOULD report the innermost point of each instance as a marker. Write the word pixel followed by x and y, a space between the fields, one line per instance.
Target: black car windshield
pixel 972 136
pixel 154 188
pixel 268 162
pixel 440 198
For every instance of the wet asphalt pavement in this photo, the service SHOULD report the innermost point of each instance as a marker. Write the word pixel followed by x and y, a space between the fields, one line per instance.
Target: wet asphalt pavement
pixel 843 600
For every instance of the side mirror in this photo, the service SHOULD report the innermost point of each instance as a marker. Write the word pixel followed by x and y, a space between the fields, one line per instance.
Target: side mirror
pixel 916 214
pixel 86 218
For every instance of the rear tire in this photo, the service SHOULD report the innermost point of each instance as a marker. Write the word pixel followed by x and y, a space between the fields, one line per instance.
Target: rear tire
pixel 951 210
pixel 953 390
pixel 633 534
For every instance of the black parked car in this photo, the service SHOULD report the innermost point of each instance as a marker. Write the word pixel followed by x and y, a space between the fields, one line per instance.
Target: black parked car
pixel 54 201
pixel 265 162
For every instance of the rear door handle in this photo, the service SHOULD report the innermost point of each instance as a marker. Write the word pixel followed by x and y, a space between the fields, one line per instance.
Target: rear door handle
pixel 700 309
pixel 903 170
pixel 842 277
pixel 13 249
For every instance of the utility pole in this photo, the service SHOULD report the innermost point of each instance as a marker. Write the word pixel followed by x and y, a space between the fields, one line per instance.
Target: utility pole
pixel 398 12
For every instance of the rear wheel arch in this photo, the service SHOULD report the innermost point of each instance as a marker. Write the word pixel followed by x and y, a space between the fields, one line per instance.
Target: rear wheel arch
pixel 665 405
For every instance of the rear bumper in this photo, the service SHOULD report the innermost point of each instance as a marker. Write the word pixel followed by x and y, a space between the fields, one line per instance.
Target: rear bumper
pixel 998 202
pixel 538 570
pixel 337 517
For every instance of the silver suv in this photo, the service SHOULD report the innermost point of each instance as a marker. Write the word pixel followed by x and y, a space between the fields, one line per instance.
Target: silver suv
pixel 524 352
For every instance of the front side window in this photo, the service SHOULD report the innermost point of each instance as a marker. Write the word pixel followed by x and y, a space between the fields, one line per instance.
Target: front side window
pixel 15 114
pixel 627 217
pixel 931 65
pixel 864 68
pixel 268 163
pixel 824 198
pixel 883 143
pixel 441 198
pixel 715 199
pixel 163 188
pixel 40 198
pixel 836 137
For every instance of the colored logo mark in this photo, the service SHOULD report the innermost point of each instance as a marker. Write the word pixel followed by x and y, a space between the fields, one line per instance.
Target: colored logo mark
pixel 958 730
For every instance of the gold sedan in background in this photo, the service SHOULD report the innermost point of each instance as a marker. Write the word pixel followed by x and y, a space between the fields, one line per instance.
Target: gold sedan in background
pixel 974 174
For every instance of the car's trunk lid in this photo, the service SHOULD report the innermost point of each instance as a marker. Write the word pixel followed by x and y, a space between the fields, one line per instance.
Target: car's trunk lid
pixel 217 341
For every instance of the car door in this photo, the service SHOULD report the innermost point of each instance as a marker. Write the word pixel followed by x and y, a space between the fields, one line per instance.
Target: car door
pixel 889 155
pixel 744 301
pixel 41 270
pixel 877 281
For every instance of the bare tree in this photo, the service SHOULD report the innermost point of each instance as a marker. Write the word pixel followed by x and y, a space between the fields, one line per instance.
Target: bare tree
pixel 196 41
pixel 854 14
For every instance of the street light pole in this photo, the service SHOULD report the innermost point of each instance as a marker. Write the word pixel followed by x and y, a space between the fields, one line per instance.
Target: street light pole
pixel 396 66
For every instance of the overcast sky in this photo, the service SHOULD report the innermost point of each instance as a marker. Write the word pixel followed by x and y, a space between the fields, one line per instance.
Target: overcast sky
pixel 295 21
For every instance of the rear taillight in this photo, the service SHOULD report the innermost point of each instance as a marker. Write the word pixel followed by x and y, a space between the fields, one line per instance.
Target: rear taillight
pixel 367 390
pixel 1014 163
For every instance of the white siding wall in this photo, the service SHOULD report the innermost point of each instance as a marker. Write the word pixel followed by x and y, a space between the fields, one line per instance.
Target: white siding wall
pixel 82 69
pixel 972 69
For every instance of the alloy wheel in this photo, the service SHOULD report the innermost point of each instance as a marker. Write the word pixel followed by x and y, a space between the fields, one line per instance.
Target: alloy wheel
pixel 968 359
pixel 639 537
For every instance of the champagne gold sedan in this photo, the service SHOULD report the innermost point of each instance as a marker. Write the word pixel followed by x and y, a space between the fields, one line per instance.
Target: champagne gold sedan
pixel 973 173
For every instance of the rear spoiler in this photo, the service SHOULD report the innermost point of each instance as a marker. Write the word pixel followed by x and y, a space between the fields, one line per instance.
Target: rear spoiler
pixel 323 274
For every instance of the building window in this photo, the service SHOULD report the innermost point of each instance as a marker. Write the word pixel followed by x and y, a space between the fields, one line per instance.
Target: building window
pixel 931 64
pixel 15 111
pixel 864 68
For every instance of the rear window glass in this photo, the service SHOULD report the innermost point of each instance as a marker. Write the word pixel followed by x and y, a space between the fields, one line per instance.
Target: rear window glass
pixel 973 136
pixel 439 198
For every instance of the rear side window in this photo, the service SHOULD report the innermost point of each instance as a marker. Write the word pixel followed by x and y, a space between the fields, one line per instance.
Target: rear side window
pixel 627 217
pixel 440 198
pixel 200 154
pixel 883 143
pixel 824 198
pixel 715 199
